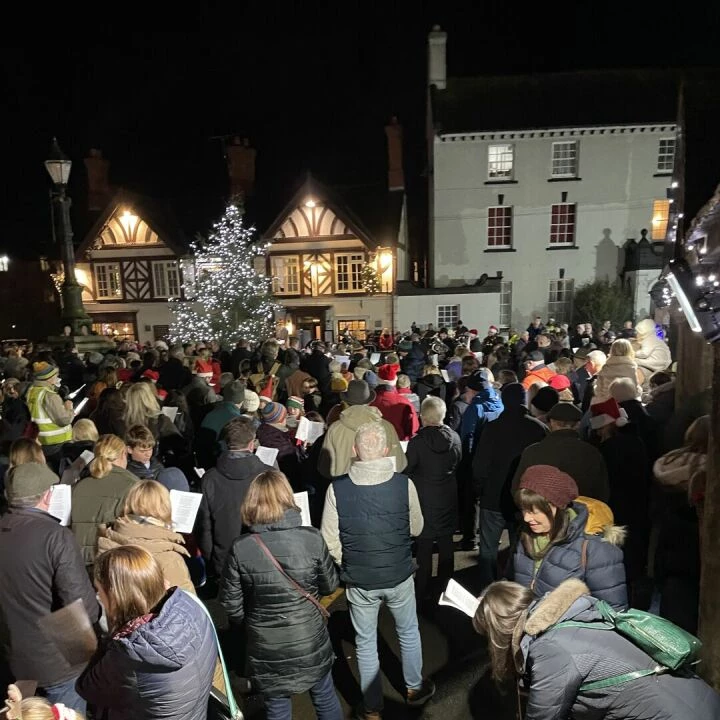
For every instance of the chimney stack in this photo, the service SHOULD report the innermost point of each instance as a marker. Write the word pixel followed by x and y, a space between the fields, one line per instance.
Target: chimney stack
pixel 437 67
pixel 98 169
pixel 241 166
pixel 396 176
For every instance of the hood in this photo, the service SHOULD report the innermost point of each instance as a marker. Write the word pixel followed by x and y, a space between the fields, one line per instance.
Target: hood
pixel 372 472
pixel 668 387
pixel 433 381
pixel 356 415
pixel 438 438
pixel 489 399
pixel 291 519
pixel 138 531
pixel 600 521
pixel 237 465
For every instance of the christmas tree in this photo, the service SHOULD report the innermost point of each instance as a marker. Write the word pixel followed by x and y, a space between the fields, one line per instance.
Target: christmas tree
pixel 228 298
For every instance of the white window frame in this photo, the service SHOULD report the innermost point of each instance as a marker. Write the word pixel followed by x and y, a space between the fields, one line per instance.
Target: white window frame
pixel 166 279
pixel 501 162
pixel 354 262
pixel 660 218
pixel 560 297
pixel 560 166
pixel 284 281
pixel 508 223
pixel 571 241
pixel 505 310
pixel 663 166
pixel 447 315
pixel 107 269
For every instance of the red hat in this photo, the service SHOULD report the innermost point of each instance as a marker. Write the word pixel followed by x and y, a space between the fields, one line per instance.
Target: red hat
pixel 473 332
pixel 388 374
pixel 559 382
pixel 154 375
pixel 556 486
pixel 493 327
pixel 607 413
pixel 203 368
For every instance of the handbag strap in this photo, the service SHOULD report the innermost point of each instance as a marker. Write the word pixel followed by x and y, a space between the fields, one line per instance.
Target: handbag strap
pixel 299 588
pixel 235 713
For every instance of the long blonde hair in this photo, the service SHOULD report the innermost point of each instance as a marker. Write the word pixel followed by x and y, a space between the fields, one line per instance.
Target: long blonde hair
pixel 107 450
pixel 38 708
pixel 140 404
pixel 24 450
pixel 267 499
pixel 622 348
pixel 148 498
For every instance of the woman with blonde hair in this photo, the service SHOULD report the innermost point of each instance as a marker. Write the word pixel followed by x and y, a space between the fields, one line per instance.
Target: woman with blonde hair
pixel 77 454
pixel 159 659
pixel 97 500
pixel 289 649
pixel 620 364
pixel 24 451
pixel 36 708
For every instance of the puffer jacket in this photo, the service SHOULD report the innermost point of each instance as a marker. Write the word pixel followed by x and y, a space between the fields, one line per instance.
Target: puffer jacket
pixel 484 407
pixel 602 570
pixel 558 660
pixel 616 367
pixel 413 363
pixel 157 667
pixel 433 456
pixel 431 385
pixel 289 647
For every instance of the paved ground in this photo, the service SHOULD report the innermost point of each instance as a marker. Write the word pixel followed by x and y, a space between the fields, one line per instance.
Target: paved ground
pixel 454 656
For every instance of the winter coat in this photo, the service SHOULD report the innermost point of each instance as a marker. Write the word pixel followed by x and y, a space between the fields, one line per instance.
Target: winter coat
pixel 643 426
pixel 455 414
pixel 157 667
pixel 540 373
pixel 557 661
pixel 675 469
pixel 95 502
pixel 617 366
pixel 317 364
pixel 413 363
pixel 288 644
pixel 224 488
pixel 501 443
pixel 336 455
pixel 653 355
pixel 174 375
pixel 16 413
pixel 433 456
pixel 48 574
pixel 165 545
pixel 289 455
pixel 595 559
pixel 431 385
pixel 565 450
pixel 660 403
pixel 397 410
pixel 484 407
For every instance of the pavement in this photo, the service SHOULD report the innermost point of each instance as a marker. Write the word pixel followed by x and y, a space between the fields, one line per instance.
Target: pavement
pixel 454 656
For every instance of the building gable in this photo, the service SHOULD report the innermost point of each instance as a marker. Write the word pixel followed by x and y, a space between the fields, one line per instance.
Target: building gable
pixel 314 221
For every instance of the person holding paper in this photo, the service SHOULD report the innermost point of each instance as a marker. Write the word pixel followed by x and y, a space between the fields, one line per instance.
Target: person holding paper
pixel 41 570
pixel 273 433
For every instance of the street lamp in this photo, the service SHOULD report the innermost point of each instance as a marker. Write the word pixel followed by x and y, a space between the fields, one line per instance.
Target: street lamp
pixel 73 314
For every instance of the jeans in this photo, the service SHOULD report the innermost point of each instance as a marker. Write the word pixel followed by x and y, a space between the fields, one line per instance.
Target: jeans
pixel 64 693
pixel 364 606
pixel 492 524
pixel 324 700
pixel 424 557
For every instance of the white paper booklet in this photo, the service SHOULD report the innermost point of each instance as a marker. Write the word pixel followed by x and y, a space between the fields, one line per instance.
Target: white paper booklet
pixel 445 375
pixel 267 455
pixel 185 507
pixel 375 358
pixel 404 444
pixel 61 503
pixel 309 431
pixel 456 596
pixel 171 412
pixel 302 500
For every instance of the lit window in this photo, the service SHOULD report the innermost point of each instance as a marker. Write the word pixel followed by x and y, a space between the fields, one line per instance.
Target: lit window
pixel 505 305
pixel 348 272
pixel 562 224
pixel 286 275
pixel 357 328
pixel 500 227
pixel 666 155
pixel 564 159
pixel 661 210
pixel 560 295
pixel 4 263
pixel 500 162
pixel 448 315
pixel 166 278
pixel 107 280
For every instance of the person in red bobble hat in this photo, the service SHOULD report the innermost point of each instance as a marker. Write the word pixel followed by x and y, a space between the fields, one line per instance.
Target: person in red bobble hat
pixel 153 376
pixel 565 536
pixel 394 407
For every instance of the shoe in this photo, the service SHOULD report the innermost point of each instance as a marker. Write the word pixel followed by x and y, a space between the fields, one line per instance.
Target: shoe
pixel 362 714
pixel 422 694
pixel 468 545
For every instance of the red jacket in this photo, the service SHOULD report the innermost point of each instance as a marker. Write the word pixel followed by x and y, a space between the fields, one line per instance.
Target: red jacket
pixel 386 342
pixel 397 410
pixel 541 372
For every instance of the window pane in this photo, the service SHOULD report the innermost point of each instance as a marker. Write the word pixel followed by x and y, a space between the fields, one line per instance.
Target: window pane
pixel 505 305
pixel 661 210
pixel 562 224
pixel 448 315
pixel 666 155
pixel 560 293
pixel 500 161
pixel 107 277
pixel 564 159
pixel 500 226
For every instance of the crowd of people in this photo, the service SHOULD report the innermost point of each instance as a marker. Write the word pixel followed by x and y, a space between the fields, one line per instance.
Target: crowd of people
pixel 555 455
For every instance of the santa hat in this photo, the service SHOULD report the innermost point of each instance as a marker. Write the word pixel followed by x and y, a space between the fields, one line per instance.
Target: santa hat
pixel 267 391
pixel 388 374
pixel 153 375
pixel 493 327
pixel 606 413
pixel 203 368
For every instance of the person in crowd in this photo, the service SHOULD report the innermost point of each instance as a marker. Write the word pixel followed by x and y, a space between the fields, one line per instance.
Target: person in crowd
pixel 620 364
pixel 36 708
pixel 386 341
pixel 563 366
pixel 25 450
pixel 312 398
pixel 580 338
pixel 558 538
pixel 414 359
pixel 71 367
pixel 108 416
pixel 675 469
pixel 47 575
pixel 295 407
pixel 628 331
pixel 431 383
pixel 145 519
pixel 77 453
pixel 564 449
pixel 142 408
pixel 546 398
pixel 660 406
pixel 499 448
pixel 535 328
pixel 250 408
pixel 317 364
pixel 207 440
pixel 97 499
pixel 174 374
pixel 371 513
pixel 289 649
pixel 15 411
pixel 224 488
pixel 240 352
pixel 273 433
pixel 394 407
pixel 199 393
pixel 505 377
pixel 454 367
pixel 651 353
pixel 490 341
pixel 562 385
pixel 148 668
pixel 535 369
pixel 433 456
pixel 144 465
pixel 557 664
pixel 404 388
pixel 640 423
pixel 583 379
pixel 476 349
pixel 107 378
pixel 457 405
pixel 337 450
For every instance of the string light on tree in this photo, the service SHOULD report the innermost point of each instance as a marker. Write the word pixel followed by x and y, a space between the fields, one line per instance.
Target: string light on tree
pixel 370 279
pixel 228 298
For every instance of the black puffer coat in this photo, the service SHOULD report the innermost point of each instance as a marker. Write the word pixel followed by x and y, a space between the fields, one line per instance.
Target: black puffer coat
pixel 433 456
pixel 431 385
pixel 289 647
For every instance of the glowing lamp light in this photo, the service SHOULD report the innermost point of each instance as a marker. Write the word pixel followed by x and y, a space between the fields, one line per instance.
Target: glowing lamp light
pixel 674 184
pixel 310 203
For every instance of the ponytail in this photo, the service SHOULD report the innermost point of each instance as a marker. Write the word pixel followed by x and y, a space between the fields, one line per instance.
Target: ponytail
pixel 107 449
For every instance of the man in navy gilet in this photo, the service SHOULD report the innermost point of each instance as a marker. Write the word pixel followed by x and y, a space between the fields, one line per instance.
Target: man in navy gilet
pixel 368 522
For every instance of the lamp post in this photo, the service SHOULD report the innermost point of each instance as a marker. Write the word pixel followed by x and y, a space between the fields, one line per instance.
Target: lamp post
pixel 73 313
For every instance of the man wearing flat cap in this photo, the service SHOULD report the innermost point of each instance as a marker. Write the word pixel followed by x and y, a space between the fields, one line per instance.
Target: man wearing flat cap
pixel 564 449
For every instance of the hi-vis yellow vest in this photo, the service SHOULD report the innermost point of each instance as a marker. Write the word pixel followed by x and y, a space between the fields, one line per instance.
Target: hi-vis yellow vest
pixel 49 433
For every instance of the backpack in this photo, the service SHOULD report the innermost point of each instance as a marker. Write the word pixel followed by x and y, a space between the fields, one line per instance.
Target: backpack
pixel 671 647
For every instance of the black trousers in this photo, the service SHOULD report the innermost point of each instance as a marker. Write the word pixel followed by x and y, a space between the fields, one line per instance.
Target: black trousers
pixel 424 556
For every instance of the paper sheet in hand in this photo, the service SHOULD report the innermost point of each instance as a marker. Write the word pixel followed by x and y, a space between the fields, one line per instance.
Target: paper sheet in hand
pixel 88 456
pixel 342 359
pixel 74 393
pixel 200 472
pixel 404 444
pixel 375 358
pixel 71 631
pixel 267 455
pixel 171 412
pixel 61 503
pixel 184 509
pixel 445 376
pixel 80 406
pixel 309 431
pixel 456 596
pixel 302 500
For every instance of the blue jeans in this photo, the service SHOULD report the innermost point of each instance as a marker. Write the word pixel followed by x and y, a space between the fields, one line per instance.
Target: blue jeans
pixel 324 700
pixel 364 606
pixel 65 693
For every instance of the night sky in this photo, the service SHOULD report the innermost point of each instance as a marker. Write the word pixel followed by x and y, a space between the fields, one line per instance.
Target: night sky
pixel 311 84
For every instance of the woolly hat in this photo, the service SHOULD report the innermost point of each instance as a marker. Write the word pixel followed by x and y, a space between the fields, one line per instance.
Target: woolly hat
pixel 388 374
pixel 559 382
pixel 556 486
pixel 358 393
pixel 251 402
pixel 513 395
pixel 536 356
pixel 565 412
pixel 234 392
pixel 154 375
pixel 295 402
pixel 29 480
pixel 546 399
pixel 404 346
pixel 44 371
pixel 338 383
pixel 273 413
pixel 607 413
pixel 475 345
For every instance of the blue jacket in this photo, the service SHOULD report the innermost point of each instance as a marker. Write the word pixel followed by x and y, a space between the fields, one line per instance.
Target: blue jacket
pixel 485 406
pixel 161 670
pixel 603 571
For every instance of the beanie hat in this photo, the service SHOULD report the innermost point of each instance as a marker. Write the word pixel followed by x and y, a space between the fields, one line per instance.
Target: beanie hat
pixel 29 480
pixel 607 413
pixel 388 374
pixel 536 356
pixel 559 382
pixel 295 402
pixel 475 345
pixel 273 413
pixel 234 392
pixel 565 412
pixel 203 369
pixel 251 403
pixel 556 486
pixel 546 399
pixel 392 359
pixel 513 395
pixel 338 383
pixel 44 371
